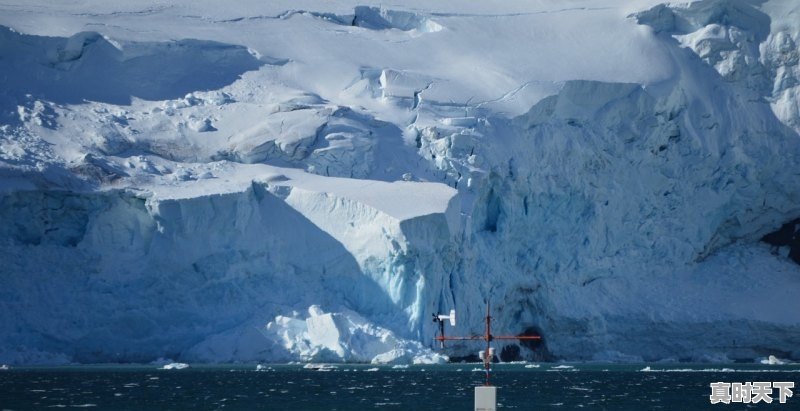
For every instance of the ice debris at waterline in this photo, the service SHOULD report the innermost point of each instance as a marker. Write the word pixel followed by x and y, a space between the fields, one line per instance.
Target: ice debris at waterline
pixel 175 366
pixel 773 360
pixel 320 367
pixel 345 337
pixel 604 169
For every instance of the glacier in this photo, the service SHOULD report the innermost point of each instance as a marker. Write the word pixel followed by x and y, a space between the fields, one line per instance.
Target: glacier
pixel 310 182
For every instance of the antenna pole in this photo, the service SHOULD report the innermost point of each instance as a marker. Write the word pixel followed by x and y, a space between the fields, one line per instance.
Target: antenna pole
pixel 441 331
pixel 487 355
pixel 486 395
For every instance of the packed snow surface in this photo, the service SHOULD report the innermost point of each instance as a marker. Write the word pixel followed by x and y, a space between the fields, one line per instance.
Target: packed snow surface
pixel 284 181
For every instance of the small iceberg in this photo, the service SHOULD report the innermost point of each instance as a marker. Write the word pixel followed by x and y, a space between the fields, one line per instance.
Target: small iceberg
pixel 4 367
pixel 371 370
pixel 320 367
pixel 773 360
pixel 532 366
pixel 175 366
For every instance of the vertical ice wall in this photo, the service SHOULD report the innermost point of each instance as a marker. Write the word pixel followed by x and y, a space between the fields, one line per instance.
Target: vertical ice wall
pixel 111 276
pixel 617 219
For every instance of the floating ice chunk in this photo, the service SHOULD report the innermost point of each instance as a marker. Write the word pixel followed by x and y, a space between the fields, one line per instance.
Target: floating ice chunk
pixel 4 367
pixel 175 366
pixel 319 367
pixel 346 336
pixel 430 358
pixel 773 360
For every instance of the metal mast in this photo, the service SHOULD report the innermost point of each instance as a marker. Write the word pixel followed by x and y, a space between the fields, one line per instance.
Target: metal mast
pixel 488 354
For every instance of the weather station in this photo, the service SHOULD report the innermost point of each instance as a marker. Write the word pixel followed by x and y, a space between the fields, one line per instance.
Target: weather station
pixel 486 394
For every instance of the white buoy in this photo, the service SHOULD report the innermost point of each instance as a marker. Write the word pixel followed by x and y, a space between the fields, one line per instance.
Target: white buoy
pixel 486 398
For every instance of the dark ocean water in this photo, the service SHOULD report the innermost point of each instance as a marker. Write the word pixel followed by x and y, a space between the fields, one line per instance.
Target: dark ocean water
pixel 366 387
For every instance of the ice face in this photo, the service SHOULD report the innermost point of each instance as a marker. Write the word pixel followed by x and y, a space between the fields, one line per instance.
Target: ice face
pixel 346 336
pixel 604 181
pixel 258 251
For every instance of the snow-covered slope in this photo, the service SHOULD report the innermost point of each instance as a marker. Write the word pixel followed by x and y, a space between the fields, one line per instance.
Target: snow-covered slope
pixel 304 180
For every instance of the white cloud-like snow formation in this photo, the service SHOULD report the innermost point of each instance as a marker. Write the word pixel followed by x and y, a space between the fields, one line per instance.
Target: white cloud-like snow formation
pixel 278 182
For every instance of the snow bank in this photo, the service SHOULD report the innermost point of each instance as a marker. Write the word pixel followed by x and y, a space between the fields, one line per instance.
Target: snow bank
pixel 90 66
pixel 753 47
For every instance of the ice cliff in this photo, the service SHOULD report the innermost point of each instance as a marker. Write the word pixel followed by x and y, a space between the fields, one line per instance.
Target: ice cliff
pixel 312 182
